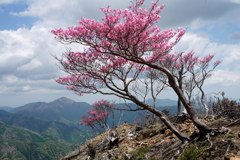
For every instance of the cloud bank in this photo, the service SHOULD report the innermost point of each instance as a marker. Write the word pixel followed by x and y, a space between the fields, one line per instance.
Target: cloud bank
pixel 28 69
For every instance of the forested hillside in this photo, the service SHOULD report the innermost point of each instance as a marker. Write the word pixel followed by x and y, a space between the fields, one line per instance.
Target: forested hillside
pixel 20 143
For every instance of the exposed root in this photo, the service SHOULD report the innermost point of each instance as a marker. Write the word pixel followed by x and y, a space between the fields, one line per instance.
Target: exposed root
pixel 180 149
pixel 208 139
pixel 233 123
pixel 175 149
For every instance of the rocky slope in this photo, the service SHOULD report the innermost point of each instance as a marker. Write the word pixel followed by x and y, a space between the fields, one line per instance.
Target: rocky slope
pixel 155 142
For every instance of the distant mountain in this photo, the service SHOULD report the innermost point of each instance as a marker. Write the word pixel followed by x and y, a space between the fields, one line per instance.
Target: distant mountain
pixel 52 129
pixel 20 143
pixel 64 100
pixel 163 102
pixel 172 109
pixel 69 112
pixel 6 108
pixel 62 110
pixel 140 115
pixel 28 106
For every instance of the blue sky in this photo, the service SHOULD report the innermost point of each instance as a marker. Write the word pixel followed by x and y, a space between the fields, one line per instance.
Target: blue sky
pixel 28 69
pixel 9 21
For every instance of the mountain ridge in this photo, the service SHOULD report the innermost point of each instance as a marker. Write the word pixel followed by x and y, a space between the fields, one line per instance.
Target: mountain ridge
pixel 53 130
pixel 69 111
pixel 62 109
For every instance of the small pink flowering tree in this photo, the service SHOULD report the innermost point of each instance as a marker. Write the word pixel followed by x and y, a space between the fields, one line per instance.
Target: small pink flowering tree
pixel 190 72
pixel 199 70
pixel 122 50
pixel 97 117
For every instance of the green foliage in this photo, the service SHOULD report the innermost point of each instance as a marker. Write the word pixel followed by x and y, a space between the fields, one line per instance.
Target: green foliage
pixel 140 153
pixel 165 111
pixel 57 131
pixel 36 138
pixel 52 133
pixel 19 143
pixel 219 122
pixel 192 152
pixel 229 135
pixel 2 129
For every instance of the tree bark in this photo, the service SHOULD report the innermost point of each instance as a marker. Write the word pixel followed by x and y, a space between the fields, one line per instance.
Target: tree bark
pixel 163 118
pixel 178 107
pixel 203 128
pixel 180 78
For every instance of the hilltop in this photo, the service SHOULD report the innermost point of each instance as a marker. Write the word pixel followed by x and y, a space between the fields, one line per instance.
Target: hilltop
pixel 156 142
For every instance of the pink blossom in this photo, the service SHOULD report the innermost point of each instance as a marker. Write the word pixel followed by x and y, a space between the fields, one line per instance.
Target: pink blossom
pixel 126 42
pixel 217 62
pixel 137 122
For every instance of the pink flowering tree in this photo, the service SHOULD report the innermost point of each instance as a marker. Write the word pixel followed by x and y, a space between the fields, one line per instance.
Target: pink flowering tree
pixel 121 49
pixel 190 72
pixel 97 117
pixel 199 70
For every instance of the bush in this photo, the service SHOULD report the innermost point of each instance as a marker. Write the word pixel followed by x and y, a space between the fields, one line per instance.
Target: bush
pixel 140 153
pixel 91 152
pixel 192 152
pixel 226 108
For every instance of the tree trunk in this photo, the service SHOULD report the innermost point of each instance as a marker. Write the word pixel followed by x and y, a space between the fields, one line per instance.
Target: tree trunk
pixel 202 100
pixel 180 87
pixel 203 128
pixel 162 117
pixel 178 107
pixel 170 126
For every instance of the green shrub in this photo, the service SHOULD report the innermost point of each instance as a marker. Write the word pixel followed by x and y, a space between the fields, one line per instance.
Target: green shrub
pixel 229 135
pixel 165 111
pixel 192 152
pixel 140 153
pixel 219 122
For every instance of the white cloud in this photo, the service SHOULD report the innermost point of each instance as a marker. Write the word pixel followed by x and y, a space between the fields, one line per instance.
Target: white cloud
pixel 33 64
pixel 10 79
pixel 228 72
pixel 196 14
pixel 63 13
pixel 15 47
pixel 7 1
pixel 25 54
pixel 3 89
pixel 27 49
pixel 26 88
pixel 14 84
pixel 228 53
pixel 235 1
pixel 195 42
pixel 225 78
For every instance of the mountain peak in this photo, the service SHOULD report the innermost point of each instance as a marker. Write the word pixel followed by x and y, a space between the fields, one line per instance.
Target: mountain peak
pixel 64 100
